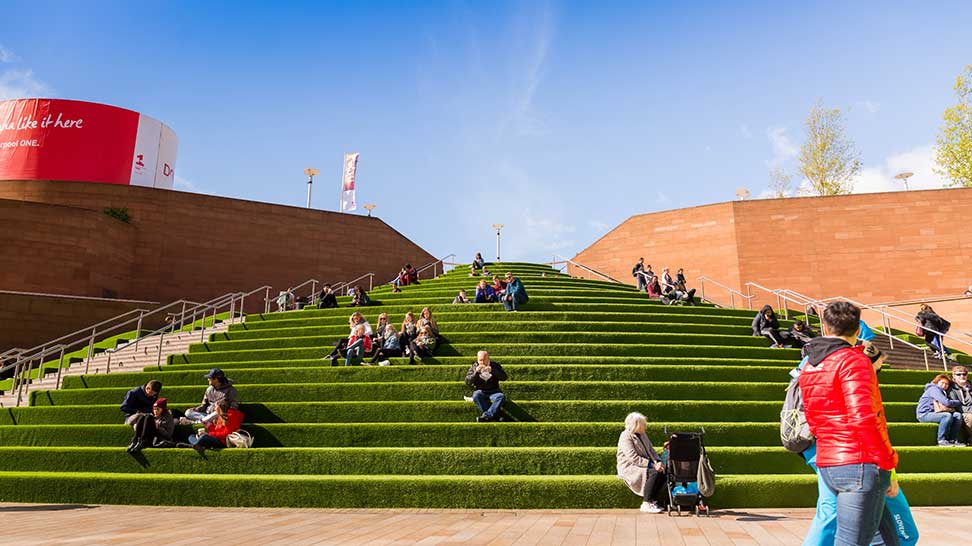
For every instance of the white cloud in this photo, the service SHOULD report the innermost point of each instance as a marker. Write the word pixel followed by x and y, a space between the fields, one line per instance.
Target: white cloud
pixel 745 132
pixel 871 106
pixel 7 56
pixel 598 225
pixel 18 84
pixel 920 161
pixel 534 35
pixel 783 148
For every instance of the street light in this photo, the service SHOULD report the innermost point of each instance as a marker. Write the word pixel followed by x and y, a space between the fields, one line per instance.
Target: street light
pixel 311 173
pixel 904 178
pixel 497 227
pixel 370 207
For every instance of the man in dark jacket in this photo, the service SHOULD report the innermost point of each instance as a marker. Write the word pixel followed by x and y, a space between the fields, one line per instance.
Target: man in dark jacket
pixel 638 273
pixel 961 390
pixel 328 299
pixel 766 324
pixel 484 376
pixel 139 401
pixel 844 410
pixel 220 388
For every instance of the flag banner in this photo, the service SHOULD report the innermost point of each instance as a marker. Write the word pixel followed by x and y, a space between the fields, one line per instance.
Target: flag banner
pixel 347 183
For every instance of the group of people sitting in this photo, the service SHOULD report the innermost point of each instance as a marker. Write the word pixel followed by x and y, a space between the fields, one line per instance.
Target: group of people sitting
pixel 947 401
pixel 415 339
pixel 408 275
pixel 767 324
pixel 155 425
pixel 669 290
pixel 509 291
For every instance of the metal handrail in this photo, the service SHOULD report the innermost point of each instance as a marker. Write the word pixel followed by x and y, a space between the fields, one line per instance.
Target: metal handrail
pixel 562 260
pixel 732 292
pixel 920 301
pixel 418 272
pixel 347 284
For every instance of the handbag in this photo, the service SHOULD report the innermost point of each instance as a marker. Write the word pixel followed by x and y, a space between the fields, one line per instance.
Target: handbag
pixel 904 522
pixel 240 438
pixel 706 476
pixel 919 331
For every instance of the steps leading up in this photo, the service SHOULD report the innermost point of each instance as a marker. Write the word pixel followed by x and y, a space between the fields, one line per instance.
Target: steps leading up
pixel 581 355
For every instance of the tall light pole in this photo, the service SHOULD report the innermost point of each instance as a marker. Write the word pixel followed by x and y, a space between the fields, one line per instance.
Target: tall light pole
pixel 904 178
pixel 497 227
pixel 311 173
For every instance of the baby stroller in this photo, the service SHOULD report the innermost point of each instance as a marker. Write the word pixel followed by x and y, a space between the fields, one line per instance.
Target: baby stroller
pixel 685 449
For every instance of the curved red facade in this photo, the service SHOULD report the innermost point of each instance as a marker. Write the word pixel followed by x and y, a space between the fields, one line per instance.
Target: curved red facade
pixel 55 139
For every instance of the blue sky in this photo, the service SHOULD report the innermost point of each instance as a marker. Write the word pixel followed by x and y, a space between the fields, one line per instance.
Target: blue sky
pixel 557 119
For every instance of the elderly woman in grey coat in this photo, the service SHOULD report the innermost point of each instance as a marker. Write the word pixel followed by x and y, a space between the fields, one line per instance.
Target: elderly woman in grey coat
pixel 639 465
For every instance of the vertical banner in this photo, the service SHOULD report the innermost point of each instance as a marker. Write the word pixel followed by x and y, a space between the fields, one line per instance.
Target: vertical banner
pixel 347 183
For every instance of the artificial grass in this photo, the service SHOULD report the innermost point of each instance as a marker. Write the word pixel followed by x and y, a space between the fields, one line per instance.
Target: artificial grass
pixel 451 411
pixel 443 434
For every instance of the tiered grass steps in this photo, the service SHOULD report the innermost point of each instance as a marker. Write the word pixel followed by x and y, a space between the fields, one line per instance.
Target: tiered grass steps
pixel 581 355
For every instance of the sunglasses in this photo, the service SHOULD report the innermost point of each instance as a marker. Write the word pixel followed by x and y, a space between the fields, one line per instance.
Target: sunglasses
pixel 960 374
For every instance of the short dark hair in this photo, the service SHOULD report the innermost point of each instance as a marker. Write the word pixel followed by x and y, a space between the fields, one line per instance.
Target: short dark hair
pixel 155 385
pixel 842 318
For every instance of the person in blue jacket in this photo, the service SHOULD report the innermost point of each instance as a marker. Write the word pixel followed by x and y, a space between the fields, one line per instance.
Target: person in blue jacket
pixel 935 406
pixel 515 293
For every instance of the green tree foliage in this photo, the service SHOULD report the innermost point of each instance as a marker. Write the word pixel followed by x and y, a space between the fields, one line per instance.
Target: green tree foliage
pixel 828 158
pixel 954 152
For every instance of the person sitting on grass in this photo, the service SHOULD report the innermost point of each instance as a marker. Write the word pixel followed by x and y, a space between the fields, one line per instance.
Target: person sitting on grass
pixel 426 320
pixel 515 294
pixel 423 345
pixel 220 388
pixel 639 465
pixel 499 288
pixel 137 408
pixel 328 299
pixel 379 331
pixel 157 430
pixel 484 293
pixel 390 346
pixel 934 406
pixel 766 324
pixel 798 335
pixel 461 298
pixel 408 332
pixel 478 262
pixel 226 422
pixel 360 298
pixel 341 345
pixel 358 345
pixel 484 376
pixel 961 390
pixel 653 287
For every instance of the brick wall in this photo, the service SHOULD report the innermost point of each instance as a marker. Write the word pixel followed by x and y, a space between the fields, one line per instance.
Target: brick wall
pixel 871 247
pixel 56 239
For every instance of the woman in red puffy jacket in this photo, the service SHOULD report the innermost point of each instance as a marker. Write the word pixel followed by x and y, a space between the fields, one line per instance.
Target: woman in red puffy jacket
pixel 226 422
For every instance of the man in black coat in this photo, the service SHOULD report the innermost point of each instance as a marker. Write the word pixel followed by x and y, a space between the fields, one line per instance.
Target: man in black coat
pixel 484 376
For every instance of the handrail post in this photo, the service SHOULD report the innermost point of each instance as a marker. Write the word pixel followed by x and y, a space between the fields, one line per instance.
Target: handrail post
pixel 60 364
pixel 313 292
pixel 202 331
pixel 732 300
pixel 108 365
pixel 371 280
pixel 87 363
pixel 138 329
pixel 266 302
pixel 702 288
pixel 158 361
pixel 925 354
pixel 887 328
pixel 182 317
pixel 232 308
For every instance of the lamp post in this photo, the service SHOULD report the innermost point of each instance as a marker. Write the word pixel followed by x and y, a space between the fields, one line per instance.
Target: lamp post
pixel 497 227
pixel 311 173
pixel 904 178
pixel 370 207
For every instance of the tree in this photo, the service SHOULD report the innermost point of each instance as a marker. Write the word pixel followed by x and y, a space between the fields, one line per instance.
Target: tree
pixel 828 159
pixel 953 154
pixel 779 182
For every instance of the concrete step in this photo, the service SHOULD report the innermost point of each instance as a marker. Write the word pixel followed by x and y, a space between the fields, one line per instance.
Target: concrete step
pixel 904 357
pixel 124 359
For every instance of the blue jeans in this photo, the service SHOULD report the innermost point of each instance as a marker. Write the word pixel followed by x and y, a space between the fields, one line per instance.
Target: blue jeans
pixel 355 350
pixel 207 441
pixel 488 403
pixel 860 490
pixel 195 416
pixel 949 424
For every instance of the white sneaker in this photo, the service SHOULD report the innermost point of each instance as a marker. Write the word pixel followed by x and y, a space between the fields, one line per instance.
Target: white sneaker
pixel 650 508
pixel 384 363
pixel 184 421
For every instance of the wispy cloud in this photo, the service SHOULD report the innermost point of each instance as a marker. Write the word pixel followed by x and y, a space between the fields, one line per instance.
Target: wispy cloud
pixel 745 132
pixel 19 83
pixel 783 148
pixel 184 184
pixel 870 106
pixel 533 35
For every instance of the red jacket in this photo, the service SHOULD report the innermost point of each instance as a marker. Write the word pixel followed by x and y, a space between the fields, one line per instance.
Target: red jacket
pixel 221 429
pixel 843 406
pixel 367 342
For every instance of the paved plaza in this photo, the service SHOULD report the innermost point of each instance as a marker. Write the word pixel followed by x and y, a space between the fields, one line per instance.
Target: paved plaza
pixel 93 525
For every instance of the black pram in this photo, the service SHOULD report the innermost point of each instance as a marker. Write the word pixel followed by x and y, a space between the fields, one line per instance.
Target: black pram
pixel 685 449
